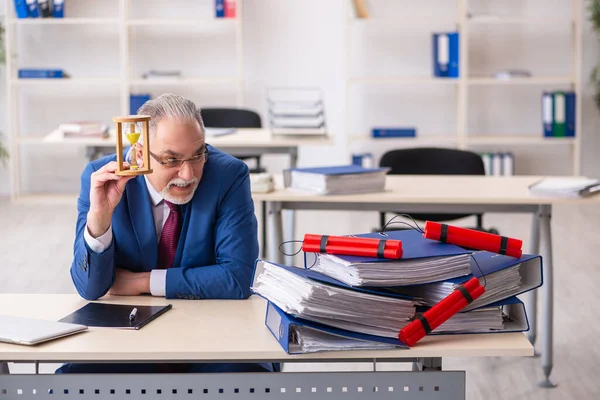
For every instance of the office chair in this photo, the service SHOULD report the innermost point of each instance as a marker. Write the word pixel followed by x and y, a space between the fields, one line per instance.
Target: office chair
pixel 239 118
pixel 234 118
pixel 433 161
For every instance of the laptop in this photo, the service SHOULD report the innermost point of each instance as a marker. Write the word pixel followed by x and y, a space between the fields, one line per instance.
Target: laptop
pixel 30 331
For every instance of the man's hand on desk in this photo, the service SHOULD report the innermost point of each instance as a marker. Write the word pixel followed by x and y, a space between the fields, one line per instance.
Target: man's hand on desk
pixel 129 283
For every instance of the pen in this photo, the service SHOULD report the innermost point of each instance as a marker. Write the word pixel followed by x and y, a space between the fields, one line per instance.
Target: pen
pixel 133 313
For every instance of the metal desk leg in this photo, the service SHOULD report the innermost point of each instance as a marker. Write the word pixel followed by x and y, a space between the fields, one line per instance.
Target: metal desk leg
pixel 275 232
pixel 4 368
pixel 290 216
pixel 531 296
pixel 263 227
pixel 290 231
pixel 547 295
pixel 427 364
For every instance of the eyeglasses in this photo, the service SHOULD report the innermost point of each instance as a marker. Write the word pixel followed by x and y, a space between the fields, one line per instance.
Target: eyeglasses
pixel 171 162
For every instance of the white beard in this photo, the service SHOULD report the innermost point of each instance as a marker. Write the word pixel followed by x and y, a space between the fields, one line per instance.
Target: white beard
pixel 179 199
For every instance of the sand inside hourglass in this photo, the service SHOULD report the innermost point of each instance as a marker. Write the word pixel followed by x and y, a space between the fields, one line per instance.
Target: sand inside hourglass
pixel 133 137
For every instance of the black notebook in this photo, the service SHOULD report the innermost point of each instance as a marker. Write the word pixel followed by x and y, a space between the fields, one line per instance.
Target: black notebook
pixel 115 315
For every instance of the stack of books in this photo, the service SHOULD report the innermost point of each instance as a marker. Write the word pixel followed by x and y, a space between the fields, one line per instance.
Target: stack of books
pixel 343 179
pixel 339 302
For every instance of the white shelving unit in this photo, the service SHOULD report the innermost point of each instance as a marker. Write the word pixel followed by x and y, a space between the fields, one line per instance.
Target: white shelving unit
pixel 461 137
pixel 124 83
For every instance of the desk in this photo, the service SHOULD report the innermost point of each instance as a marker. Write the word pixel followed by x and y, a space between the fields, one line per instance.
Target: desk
pixel 441 194
pixel 229 330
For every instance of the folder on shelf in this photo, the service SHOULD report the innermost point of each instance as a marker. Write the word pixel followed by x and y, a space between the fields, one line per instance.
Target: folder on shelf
pixel 21 9
pixel 38 73
pixel 446 54
pixel 33 8
pixel 423 261
pixel 558 125
pixel 220 8
pixel 45 8
pixel 106 315
pixel 58 8
pixel 570 109
pixel 393 132
pixel 345 179
pixel 547 113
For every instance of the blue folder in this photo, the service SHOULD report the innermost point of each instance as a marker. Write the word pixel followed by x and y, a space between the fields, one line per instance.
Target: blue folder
pixel 414 246
pixel 282 326
pixel 316 276
pixel 339 170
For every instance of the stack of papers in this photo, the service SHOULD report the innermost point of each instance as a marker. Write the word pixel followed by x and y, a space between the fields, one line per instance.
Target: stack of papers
pixel 308 340
pixel 423 261
pixel 330 305
pixel 477 321
pixel 296 111
pixel 393 272
pixel 84 129
pixel 347 179
pixel 214 132
pixel 498 285
pixel 565 187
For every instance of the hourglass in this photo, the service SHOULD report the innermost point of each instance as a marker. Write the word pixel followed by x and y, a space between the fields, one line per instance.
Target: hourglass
pixel 132 127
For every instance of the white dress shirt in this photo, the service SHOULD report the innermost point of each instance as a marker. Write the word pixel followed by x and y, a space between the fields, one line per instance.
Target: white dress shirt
pixel 158 277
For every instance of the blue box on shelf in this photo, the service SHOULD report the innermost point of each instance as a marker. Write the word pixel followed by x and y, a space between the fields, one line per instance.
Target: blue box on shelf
pixel 393 132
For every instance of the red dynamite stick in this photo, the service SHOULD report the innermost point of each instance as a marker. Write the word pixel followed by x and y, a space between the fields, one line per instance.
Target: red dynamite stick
pixel 352 241
pixel 453 298
pixel 434 230
pixel 473 239
pixel 352 251
pixel 441 312
pixel 368 247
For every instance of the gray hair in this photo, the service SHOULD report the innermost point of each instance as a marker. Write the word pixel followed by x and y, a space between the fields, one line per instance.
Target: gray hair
pixel 170 105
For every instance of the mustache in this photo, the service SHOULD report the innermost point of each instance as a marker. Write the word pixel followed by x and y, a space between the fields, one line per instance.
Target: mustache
pixel 180 181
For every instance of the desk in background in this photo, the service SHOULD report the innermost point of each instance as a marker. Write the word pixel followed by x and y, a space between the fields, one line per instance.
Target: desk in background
pixel 257 140
pixel 230 331
pixel 444 194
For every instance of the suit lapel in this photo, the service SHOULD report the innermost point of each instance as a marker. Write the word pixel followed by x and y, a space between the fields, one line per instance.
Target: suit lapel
pixel 142 221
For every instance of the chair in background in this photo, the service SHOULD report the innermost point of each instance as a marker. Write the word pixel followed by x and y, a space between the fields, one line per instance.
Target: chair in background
pixel 239 118
pixel 234 118
pixel 433 161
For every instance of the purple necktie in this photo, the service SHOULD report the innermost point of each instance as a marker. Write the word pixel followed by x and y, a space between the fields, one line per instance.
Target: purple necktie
pixel 167 246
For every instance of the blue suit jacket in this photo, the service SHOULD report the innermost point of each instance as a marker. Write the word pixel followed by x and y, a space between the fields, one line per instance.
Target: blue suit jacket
pixel 217 247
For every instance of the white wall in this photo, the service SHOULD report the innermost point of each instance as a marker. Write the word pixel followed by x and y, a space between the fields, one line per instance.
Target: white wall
pixel 293 42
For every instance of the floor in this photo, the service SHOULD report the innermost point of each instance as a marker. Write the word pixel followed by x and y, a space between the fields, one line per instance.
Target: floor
pixel 36 250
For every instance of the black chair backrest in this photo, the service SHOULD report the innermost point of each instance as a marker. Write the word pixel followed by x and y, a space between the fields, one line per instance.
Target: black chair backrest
pixel 432 161
pixel 230 118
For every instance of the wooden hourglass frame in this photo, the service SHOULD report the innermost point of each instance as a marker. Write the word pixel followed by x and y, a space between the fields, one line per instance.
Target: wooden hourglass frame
pixel 130 127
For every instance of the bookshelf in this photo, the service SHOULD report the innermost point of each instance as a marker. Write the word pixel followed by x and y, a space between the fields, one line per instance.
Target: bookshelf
pixel 461 94
pixel 131 36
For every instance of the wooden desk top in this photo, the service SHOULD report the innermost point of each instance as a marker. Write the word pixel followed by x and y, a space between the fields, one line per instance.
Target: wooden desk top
pixel 211 330
pixel 435 189
pixel 258 138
